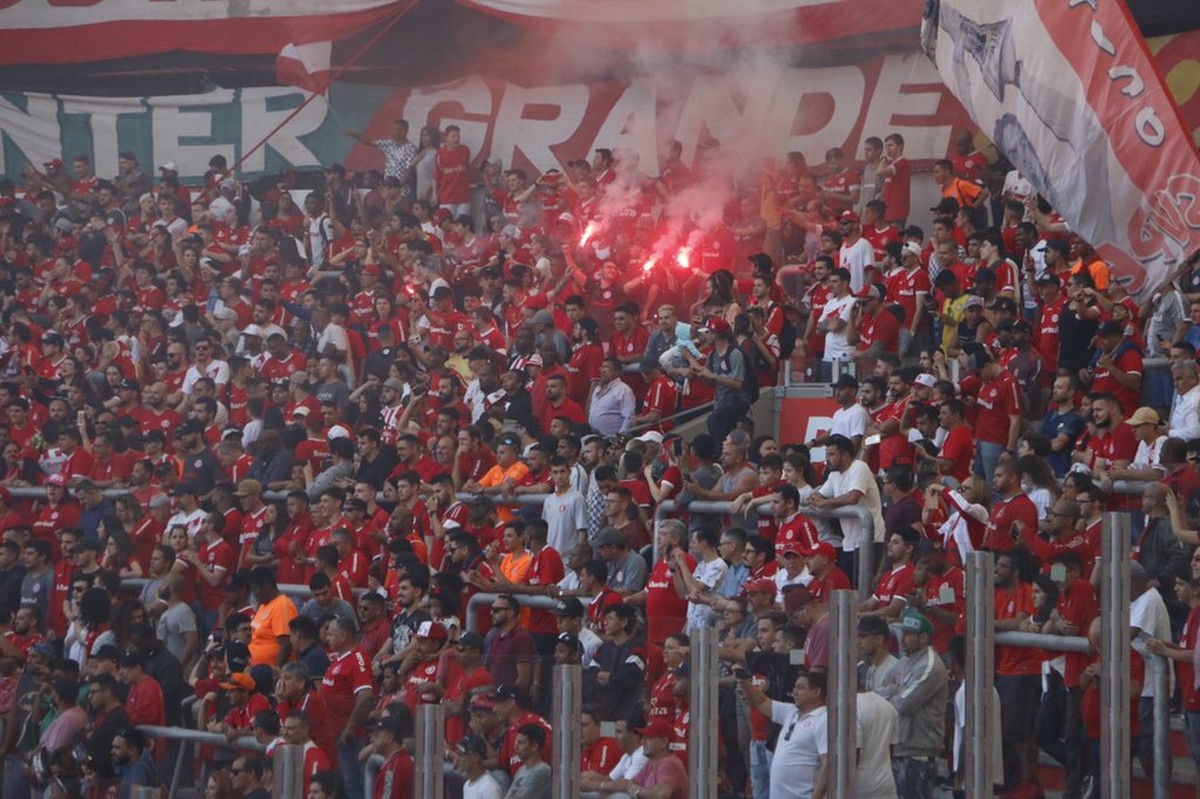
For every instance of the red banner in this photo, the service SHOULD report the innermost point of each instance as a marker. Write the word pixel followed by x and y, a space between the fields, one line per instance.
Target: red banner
pixel 79 31
pixel 701 24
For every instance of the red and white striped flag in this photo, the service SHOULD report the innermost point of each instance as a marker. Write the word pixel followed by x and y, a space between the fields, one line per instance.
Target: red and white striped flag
pixel 1068 91
pixel 305 66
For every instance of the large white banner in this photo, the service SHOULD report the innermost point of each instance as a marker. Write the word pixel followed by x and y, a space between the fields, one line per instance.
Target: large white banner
pixel 1068 91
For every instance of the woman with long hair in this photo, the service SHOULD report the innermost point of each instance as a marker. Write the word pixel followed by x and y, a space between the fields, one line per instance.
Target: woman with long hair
pixel 89 620
pixel 262 551
pixel 1038 483
pixel 220 786
pixel 428 142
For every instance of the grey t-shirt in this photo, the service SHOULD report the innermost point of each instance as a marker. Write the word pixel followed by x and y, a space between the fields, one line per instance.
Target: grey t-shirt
pixel 173 625
pixel 732 364
pixel 35 593
pixel 530 783
pixel 628 574
pixel 339 609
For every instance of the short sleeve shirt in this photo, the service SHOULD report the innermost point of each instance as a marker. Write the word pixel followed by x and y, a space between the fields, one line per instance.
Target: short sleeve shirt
pixel 269 623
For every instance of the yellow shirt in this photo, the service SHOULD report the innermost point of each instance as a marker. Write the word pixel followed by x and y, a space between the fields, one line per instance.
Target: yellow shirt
pixel 956 309
pixel 270 621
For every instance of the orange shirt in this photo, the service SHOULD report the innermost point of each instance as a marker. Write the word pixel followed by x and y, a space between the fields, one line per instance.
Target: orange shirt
pixel 269 623
pixel 497 475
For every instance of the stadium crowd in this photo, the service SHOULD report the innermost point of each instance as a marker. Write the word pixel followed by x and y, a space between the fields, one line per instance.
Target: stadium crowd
pixel 219 391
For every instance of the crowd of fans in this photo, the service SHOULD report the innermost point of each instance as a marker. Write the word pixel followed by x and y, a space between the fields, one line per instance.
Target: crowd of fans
pixel 219 392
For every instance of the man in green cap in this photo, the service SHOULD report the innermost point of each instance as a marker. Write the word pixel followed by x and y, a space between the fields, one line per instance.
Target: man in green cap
pixel 917 688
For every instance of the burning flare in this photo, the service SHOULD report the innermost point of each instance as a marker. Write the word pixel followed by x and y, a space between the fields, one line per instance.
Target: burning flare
pixel 684 258
pixel 588 232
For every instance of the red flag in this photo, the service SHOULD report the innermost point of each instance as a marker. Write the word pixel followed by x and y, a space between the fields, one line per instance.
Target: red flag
pixel 305 66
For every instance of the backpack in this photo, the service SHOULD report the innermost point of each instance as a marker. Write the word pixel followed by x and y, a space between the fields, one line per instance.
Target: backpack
pixel 787 338
pixel 749 373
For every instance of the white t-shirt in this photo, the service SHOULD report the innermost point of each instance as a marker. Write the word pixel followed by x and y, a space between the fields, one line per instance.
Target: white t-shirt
pixel 857 477
pixel 485 787
pixel 1148 613
pixel 1149 455
pixel 707 574
pixel 877 727
pixel 191 521
pixel 850 422
pixel 565 515
pixel 837 344
pixel 857 257
pixel 802 742
pixel 629 766
pixel 995 733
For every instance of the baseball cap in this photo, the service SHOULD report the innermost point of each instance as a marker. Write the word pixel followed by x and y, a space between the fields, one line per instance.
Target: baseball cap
pixel 849 216
pixel 714 325
pixel 471 641
pixel 473 745
pixel 57 480
pixel 762 585
pixel 658 729
pixel 973 301
pixel 108 652
pixel 570 641
pixel 1110 328
pixel 947 205
pixel 1136 570
pixel 1142 416
pixel 824 549
pixel 248 487
pixel 911 248
pixel 914 622
pixel 569 606
pixel 846 381
pixel 925 379
pixel 53 163
pixel 239 680
pixel 609 537
pixel 510 692
pixel 650 436
pixel 872 292
pixel 431 631
pixel 169 166
pixel 184 488
pixel 301 411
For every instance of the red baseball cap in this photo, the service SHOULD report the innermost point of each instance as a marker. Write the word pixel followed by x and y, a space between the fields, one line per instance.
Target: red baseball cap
pixel 763 585
pixel 824 549
pixel 658 729
pixel 849 216
pixel 717 325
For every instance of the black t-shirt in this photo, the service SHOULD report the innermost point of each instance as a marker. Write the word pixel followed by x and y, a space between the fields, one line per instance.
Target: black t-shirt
pixel 1075 340
pixel 780 675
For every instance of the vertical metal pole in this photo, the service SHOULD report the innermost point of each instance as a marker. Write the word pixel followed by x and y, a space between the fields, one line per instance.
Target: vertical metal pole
pixel 288 772
pixel 702 738
pixel 1162 729
pixel 428 780
pixel 866 561
pixel 568 703
pixel 981 622
pixel 1114 657
pixel 843 694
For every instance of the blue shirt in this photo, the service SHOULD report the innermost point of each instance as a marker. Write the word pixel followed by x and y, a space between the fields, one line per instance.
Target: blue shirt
pixel 1069 424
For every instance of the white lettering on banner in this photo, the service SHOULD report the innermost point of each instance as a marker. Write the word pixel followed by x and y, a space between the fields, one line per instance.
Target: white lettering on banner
pixel 472 104
pixel 102 113
pixel 632 125
pixel 34 129
pixel 183 131
pixel 263 109
pixel 845 86
pixel 534 137
pixel 909 88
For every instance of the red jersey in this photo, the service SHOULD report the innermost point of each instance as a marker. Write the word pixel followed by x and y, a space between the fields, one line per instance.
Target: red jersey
pixel 896 189
pixel 1129 361
pixel 347 675
pixel 823 587
pixel 451 170
pixel 796 532
pixel 959 446
pixel 583 368
pixel 546 568
pixel 880 238
pixel 896 584
pixel 1011 602
pixel 904 287
pixel 1018 508
pixel 219 557
pixel 998 399
pixel 1046 336
pixel 883 328
pixel 666 611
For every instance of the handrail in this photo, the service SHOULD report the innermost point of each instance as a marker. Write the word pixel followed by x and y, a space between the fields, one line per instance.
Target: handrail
pixel 200 737
pixel 526 600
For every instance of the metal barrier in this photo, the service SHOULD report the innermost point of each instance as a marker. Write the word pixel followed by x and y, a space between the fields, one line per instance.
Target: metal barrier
pixel 471 614
pixel 703 721
pixel 186 738
pixel 843 693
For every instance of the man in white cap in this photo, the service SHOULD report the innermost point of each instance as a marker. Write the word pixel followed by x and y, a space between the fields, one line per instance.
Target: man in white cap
pixel 908 287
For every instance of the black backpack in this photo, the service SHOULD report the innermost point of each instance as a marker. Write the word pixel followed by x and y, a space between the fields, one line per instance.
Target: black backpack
pixel 787 338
